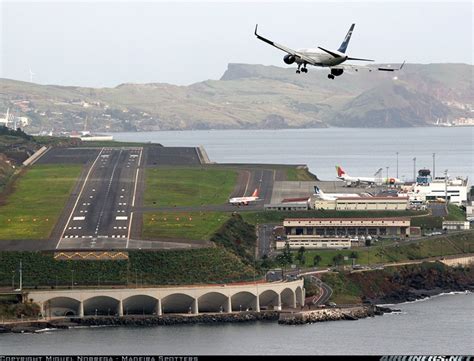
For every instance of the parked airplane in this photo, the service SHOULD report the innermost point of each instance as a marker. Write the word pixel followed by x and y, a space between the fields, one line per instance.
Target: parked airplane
pixel 322 57
pixel 244 201
pixel 332 196
pixel 341 174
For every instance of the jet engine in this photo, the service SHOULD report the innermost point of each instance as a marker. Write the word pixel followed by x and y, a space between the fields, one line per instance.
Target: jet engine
pixel 289 59
pixel 337 72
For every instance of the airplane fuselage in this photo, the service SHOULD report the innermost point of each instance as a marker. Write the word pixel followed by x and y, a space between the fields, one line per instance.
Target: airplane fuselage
pixel 321 58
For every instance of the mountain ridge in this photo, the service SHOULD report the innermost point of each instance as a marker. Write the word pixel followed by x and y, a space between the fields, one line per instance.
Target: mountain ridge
pixel 251 96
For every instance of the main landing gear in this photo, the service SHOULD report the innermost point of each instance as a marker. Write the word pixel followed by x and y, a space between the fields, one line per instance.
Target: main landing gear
pixel 304 70
pixel 330 76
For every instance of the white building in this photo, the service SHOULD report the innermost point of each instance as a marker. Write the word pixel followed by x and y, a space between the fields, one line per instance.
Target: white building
pixel 456 189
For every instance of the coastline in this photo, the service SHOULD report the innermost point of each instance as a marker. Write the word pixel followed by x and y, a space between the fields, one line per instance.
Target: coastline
pixel 296 317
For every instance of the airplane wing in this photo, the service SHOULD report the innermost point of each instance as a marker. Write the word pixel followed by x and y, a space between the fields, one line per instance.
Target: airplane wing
pixel 369 69
pixel 303 57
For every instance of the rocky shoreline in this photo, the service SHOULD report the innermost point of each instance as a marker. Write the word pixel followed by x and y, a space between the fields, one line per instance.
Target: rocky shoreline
pixel 355 312
pixel 288 318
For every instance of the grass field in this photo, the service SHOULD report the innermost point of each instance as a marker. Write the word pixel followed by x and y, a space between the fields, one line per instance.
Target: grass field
pixel 182 225
pixel 168 187
pixel 299 174
pixel 455 213
pixel 32 210
pixel 439 246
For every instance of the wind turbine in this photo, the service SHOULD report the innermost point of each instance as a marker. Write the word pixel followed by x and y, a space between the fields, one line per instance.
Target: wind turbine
pixel 31 76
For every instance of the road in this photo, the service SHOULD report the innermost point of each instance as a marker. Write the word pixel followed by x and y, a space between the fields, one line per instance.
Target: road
pixel 102 211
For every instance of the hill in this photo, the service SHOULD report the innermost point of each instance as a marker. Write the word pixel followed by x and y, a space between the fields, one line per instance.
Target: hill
pixel 252 96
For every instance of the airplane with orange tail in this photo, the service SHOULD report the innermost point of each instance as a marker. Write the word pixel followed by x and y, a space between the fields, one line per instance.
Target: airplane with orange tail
pixel 244 201
pixel 350 180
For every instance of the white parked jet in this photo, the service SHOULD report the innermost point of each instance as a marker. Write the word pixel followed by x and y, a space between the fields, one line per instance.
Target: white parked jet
pixel 341 174
pixel 244 201
pixel 332 196
pixel 322 57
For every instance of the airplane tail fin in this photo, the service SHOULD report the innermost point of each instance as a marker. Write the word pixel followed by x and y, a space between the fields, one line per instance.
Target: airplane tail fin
pixel 345 43
pixel 340 171
pixel 255 193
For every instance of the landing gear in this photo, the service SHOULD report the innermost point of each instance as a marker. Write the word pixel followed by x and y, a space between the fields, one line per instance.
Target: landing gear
pixel 304 70
pixel 330 76
pixel 298 71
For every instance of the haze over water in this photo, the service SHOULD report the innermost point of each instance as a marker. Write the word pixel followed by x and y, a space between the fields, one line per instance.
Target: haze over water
pixel 360 152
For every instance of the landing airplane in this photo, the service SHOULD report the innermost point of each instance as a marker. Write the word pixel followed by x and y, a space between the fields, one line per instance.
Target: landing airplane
pixel 244 201
pixel 342 175
pixel 332 196
pixel 322 57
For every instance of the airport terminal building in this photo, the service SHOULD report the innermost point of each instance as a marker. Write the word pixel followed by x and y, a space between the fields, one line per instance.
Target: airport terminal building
pixel 363 203
pixel 340 232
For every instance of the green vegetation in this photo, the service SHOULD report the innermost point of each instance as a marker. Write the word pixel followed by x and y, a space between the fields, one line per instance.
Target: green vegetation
pixel 427 222
pixel 182 225
pixel 278 216
pixel 238 236
pixel 299 174
pixel 434 247
pixel 169 187
pixel 455 213
pixel 111 144
pixel 396 283
pixel 210 265
pixel 40 195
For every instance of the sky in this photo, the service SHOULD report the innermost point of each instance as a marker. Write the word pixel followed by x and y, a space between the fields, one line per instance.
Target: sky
pixel 106 43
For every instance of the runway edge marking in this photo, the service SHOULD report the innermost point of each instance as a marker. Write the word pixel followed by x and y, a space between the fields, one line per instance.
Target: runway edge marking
pixel 133 199
pixel 79 196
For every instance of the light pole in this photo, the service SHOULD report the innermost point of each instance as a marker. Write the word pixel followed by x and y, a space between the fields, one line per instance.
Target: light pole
pixel 414 170
pixel 397 164
pixel 21 274
pixel 72 278
pixel 13 280
pixel 387 174
pixel 434 165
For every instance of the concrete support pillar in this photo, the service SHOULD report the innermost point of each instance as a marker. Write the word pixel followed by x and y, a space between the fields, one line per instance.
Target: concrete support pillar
pixel 195 307
pixel 120 308
pixel 278 306
pixel 257 303
pixel 81 309
pixel 159 311
pixel 228 305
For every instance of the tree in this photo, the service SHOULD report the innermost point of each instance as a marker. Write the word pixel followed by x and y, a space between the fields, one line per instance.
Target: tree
pixel 300 256
pixel 317 258
pixel 354 255
pixel 287 254
pixel 337 259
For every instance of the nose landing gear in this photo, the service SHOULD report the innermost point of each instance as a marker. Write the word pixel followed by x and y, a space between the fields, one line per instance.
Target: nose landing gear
pixel 330 76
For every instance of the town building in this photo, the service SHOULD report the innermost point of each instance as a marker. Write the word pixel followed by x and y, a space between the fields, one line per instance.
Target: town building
pixel 363 203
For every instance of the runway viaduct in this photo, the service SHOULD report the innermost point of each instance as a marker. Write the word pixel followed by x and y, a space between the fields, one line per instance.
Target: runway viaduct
pixel 159 301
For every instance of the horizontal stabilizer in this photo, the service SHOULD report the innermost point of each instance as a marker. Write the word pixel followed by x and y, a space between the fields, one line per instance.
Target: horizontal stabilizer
pixel 360 59
pixel 330 52
pixel 391 69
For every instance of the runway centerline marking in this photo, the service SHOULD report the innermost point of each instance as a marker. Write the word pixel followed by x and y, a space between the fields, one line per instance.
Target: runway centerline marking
pixel 79 196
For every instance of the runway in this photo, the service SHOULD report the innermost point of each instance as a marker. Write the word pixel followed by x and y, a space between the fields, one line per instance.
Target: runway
pixel 101 215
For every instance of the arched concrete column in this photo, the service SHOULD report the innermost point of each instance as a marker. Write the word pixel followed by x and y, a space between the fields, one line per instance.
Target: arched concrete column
pixel 120 308
pixel 81 309
pixel 228 307
pixel 299 296
pixel 195 306
pixel 159 311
